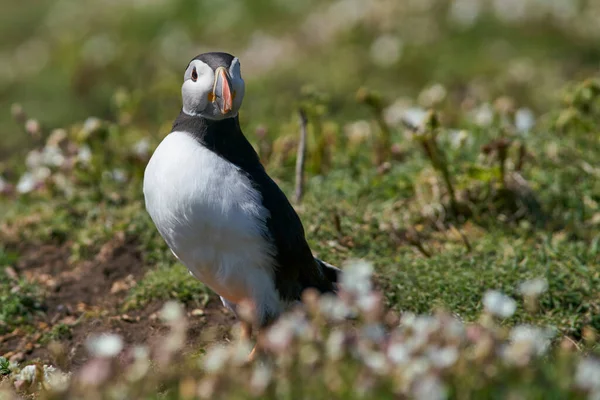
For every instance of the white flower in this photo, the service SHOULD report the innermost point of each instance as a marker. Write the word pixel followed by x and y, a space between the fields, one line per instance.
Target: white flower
pixel 524 120
pixel 386 50
pixel 171 311
pixel 335 345
pixel 84 154
pixel 215 359
pixel 356 278
pixel 32 127
pixel 27 374
pixel 465 12
pixel 3 184
pixel 280 335
pixel 443 357
pixel 536 339
pixel 26 183
pixel 429 388
pixel 398 353
pixel 91 124
pixel 533 287
pixel 484 115
pixel 499 304
pixel 394 113
pixel 34 159
pixel 52 156
pixel 119 175
pixel 432 95
pixel 105 345
pixel 358 131
pixel 375 361
pixel 55 380
pixel 261 376
pixel 334 308
pixel 142 148
pixel 588 374
pixel 414 116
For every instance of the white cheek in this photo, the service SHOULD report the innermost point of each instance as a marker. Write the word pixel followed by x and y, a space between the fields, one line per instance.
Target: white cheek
pixel 195 94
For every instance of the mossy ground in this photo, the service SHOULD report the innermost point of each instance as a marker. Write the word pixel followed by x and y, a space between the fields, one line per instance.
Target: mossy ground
pixel 87 233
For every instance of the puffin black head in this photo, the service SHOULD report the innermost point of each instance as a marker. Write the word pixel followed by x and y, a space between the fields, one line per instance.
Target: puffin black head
pixel 213 86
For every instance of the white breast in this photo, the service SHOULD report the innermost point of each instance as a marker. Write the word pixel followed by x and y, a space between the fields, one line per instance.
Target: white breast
pixel 213 220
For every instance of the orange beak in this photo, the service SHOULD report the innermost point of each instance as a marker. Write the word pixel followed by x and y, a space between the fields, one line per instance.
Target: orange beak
pixel 222 90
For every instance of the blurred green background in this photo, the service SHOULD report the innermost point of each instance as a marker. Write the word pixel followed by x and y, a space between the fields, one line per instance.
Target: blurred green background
pixel 65 60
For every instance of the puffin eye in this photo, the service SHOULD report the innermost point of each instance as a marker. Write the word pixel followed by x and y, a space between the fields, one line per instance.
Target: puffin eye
pixel 194 75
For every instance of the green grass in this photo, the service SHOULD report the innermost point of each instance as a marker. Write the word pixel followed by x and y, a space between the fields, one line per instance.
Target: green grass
pixel 168 283
pixel 20 299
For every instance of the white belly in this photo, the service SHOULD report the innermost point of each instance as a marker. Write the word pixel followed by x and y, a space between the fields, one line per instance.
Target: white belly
pixel 212 219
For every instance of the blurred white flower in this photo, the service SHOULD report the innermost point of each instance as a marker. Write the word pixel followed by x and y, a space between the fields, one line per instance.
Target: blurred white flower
pixel 261 377
pixel 442 357
pixel 27 374
pixel 33 127
pixel 357 132
pixel 26 183
pixel 335 345
pixel 84 154
pixel 587 376
pixel 3 184
pixel 536 339
pixel 429 388
pixel 524 120
pixel 398 353
pixel 499 304
pixel 357 277
pixel 416 369
pixel 533 287
pixel 52 156
pixel 375 361
pixel 171 311
pixel 34 159
pixel 280 335
pixel 386 50
pixel 458 138
pixel 394 113
pixel 91 124
pixel 333 307
pixel 414 116
pixel 119 175
pixel 510 10
pixel 432 95
pixel 483 115
pixel 142 148
pixel 104 345
pixel 215 358
pixel 465 12
pixel 141 364
pixel 56 380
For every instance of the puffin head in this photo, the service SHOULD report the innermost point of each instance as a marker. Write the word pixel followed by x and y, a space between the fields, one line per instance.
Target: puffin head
pixel 213 86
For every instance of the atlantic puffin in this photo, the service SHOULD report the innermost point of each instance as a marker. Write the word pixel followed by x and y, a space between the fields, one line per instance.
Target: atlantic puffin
pixel 218 210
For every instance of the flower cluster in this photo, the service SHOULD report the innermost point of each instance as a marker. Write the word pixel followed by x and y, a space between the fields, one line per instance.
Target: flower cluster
pixel 344 345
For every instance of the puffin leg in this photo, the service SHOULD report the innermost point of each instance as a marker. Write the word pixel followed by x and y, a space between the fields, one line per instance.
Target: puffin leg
pixel 255 351
pixel 245 330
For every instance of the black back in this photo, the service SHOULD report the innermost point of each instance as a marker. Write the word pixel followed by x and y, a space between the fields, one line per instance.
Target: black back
pixel 296 267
